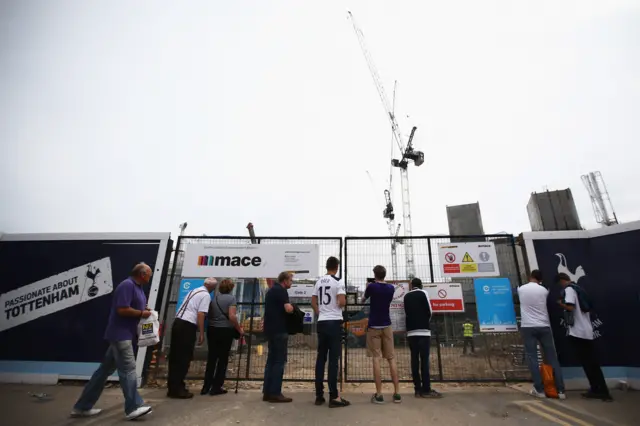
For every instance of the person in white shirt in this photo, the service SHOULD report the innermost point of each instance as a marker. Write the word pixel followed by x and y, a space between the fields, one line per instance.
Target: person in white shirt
pixel 581 337
pixel 328 300
pixel 189 319
pixel 536 328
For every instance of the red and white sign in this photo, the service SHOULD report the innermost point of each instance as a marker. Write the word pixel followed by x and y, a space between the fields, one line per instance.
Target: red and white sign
pixel 445 297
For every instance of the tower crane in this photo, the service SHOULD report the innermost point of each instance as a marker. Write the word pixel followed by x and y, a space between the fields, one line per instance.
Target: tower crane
pixel 408 153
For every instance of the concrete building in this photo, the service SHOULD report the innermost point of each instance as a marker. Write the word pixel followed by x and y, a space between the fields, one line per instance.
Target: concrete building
pixel 553 211
pixel 465 219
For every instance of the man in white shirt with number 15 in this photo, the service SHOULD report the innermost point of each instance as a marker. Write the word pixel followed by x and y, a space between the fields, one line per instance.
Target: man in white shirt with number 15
pixel 329 297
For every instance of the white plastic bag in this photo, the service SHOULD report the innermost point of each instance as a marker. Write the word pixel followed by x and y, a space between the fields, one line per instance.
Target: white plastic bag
pixel 149 330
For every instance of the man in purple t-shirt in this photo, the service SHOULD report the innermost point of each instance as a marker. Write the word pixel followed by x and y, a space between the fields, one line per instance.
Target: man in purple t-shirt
pixel 380 332
pixel 128 307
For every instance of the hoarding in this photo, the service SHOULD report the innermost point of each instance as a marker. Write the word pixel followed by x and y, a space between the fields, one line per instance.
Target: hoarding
pixel 494 302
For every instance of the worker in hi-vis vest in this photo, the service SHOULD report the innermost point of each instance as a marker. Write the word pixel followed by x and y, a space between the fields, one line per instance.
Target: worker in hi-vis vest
pixel 468 336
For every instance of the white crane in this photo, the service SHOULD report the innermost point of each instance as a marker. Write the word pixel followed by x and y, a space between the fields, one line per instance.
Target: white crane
pixel 602 206
pixel 408 154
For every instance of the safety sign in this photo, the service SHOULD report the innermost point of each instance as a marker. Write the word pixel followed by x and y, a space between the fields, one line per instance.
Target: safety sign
pixel 445 297
pixel 473 259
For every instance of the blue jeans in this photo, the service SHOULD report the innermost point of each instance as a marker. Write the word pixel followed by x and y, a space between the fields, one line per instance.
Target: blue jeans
pixel 329 342
pixel 119 356
pixel 420 346
pixel 276 360
pixel 543 335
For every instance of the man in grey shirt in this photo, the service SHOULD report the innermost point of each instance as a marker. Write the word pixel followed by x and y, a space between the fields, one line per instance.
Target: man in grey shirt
pixel 223 329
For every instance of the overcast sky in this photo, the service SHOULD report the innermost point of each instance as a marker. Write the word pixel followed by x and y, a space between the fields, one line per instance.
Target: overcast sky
pixel 137 116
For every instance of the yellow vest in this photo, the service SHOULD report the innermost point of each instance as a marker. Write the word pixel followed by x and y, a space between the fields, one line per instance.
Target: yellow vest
pixel 468 329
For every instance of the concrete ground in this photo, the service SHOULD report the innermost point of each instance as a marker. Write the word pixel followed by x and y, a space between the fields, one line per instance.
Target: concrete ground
pixel 461 405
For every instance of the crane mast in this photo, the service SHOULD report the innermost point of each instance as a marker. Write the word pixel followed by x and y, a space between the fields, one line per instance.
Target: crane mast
pixel 408 153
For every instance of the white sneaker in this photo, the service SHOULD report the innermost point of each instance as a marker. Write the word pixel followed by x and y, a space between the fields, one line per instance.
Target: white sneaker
pixel 537 394
pixel 139 412
pixel 87 413
pixel 561 395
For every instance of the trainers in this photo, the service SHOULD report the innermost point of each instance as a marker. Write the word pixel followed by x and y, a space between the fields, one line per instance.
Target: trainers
pixel 431 394
pixel 562 395
pixel 279 399
pixel 397 398
pixel 537 394
pixel 377 399
pixel 139 412
pixel 320 400
pixel 85 413
pixel 336 403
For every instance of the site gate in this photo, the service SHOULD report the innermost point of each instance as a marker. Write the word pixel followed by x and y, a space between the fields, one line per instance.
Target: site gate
pixel 248 357
pixel 497 356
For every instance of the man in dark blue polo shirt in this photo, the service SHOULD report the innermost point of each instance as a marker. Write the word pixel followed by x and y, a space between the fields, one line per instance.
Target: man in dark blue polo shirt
pixel 380 332
pixel 276 309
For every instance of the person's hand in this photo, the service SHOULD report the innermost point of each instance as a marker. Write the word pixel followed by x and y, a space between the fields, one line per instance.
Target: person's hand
pixel 241 332
pixel 146 313
pixel 288 307
pixel 200 339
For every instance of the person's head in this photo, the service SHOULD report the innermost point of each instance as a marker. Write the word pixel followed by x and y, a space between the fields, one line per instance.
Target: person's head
pixel 332 265
pixel 536 276
pixel 210 283
pixel 141 273
pixel 416 283
pixel 379 272
pixel 563 279
pixel 285 279
pixel 226 286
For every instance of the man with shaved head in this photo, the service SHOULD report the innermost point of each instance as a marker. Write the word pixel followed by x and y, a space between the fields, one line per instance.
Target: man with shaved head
pixel 128 307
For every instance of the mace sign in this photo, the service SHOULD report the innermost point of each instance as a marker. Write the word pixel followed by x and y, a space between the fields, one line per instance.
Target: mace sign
pixel 250 261
pixel 477 259
pixel 445 297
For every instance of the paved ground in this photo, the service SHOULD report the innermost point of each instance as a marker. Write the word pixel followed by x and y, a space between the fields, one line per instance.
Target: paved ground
pixel 471 405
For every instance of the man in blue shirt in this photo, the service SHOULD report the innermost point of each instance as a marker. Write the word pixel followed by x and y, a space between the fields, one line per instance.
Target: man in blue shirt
pixel 380 332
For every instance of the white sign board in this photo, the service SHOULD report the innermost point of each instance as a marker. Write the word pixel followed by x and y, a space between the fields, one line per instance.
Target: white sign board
pixel 396 310
pixel 477 259
pixel 301 290
pixel 445 297
pixel 250 261
pixel 58 292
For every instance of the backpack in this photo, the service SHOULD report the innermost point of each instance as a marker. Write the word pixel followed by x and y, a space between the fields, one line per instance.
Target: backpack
pixel 583 298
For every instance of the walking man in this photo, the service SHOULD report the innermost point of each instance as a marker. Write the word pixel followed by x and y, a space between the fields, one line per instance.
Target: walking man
pixel 467 329
pixel 380 332
pixel 189 319
pixel 277 307
pixel 417 309
pixel 577 306
pixel 328 300
pixel 536 328
pixel 127 308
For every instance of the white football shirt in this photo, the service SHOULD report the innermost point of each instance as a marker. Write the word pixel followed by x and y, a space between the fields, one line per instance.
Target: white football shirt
pixel 327 290
pixel 199 300
pixel 582 327
pixel 533 305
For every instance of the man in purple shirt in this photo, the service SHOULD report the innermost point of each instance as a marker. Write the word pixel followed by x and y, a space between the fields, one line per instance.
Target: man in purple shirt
pixel 128 307
pixel 380 332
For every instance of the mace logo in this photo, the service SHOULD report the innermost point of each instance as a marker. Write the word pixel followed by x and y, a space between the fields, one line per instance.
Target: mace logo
pixel 229 261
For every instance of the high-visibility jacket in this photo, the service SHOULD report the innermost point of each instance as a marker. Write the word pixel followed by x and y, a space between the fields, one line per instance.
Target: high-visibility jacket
pixel 468 329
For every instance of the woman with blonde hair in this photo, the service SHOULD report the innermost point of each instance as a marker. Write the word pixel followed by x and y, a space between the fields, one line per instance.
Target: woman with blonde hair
pixel 223 328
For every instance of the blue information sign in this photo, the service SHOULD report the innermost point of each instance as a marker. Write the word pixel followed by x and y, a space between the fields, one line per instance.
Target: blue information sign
pixel 494 303
pixel 186 285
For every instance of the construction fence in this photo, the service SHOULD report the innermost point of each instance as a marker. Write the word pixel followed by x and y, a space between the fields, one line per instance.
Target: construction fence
pixel 493 357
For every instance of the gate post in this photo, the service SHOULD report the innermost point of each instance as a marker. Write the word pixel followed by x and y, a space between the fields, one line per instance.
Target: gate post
pixel 430 258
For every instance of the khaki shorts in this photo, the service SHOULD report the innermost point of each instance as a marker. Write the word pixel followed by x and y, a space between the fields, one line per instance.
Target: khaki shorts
pixel 380 343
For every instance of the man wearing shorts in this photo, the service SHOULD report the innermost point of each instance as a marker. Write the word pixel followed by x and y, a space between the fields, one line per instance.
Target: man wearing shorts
pixel 380 333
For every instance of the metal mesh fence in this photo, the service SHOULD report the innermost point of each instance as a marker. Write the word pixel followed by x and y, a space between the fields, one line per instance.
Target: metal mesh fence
pixel 248 357
pixel 488 356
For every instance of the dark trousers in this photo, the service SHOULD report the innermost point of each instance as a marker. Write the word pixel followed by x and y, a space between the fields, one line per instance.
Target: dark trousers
pixel 468 341
pixel 543 335
pixel 276 360
pixel 219 340
pixel 329 344
pixel 585 351
pixel 420 346
pixel 183 341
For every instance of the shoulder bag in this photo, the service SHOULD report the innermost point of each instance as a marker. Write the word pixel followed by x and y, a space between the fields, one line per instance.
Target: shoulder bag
pixel 236 333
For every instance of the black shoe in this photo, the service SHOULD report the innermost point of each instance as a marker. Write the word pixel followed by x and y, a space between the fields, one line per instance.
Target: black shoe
pixel 180 395
pixel 265 397
pixel 205 391
pixel 320 400
pixel 219 391
pixel 431 394
pixel 335 403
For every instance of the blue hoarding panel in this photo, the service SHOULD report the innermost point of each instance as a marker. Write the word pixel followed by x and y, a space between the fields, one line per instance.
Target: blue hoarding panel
pixel 494 300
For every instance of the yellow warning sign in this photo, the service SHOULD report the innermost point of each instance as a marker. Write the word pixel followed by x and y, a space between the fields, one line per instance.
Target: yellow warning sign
pixel 467 268
pixel 467 258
